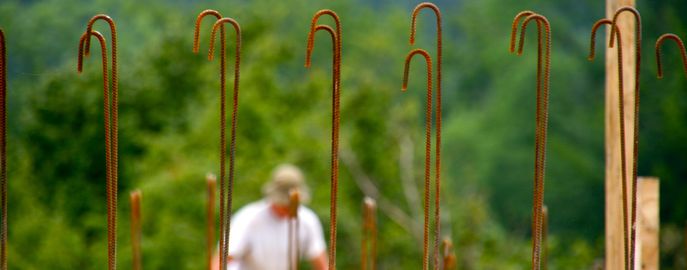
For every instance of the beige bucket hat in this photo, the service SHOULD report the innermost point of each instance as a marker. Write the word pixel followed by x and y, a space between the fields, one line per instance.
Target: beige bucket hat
pixel 286 177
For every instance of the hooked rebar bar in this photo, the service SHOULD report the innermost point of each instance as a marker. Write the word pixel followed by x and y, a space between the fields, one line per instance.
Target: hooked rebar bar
pixel 136 232
pixel 369 240
pixel 680 45
pixel 635 149
pixel 437 150
pixel 336 118
pixel 210 218
pixel 621 115
pixel 541 121
pixel 3 151
pixel 222 135
pixel 226 203
pixel 428 145
pixel 110 96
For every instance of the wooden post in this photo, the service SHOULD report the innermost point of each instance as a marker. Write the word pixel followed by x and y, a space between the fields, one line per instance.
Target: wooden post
pixel 136 228
pixel 614 213
pixel 648 223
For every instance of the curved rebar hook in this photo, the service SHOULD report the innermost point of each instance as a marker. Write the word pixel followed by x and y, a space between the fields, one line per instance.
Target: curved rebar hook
pixel 3 151
pixel 226 205
pixel 638 54
pixel 110 121
pixel 514 27
pixel 437 169
pixel 336 96
pixel 621 110
pixel 680 45
pixel 541 124
pixel 196 32
pixel 428 144
pixel 368 256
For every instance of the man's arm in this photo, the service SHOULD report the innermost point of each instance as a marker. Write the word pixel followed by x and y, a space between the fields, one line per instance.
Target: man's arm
pixel 215 260
pixel 319 262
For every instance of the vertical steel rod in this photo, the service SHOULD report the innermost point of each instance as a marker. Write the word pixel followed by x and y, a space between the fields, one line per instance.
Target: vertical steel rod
pixel 437 151
pixel 428 146
pixel 210 219
pixel 3 151
pixel 336 118
pixel 110 96
pixel 227 203
pixel 136 232
pixel 542 88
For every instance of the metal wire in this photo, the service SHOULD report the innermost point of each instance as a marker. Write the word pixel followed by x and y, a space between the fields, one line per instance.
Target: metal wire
pixel 226 205
pixel 428 146
pixel 541 122
pixel 3 151
pixel 680 45
pixel 135 198
pixel 110 96
pixel 437 160
pixel 336 118
pixel 621 134
pixel 638 50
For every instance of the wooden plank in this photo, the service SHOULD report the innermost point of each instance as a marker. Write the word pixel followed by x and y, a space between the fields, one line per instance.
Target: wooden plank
pixel 648 223
pixel 614 215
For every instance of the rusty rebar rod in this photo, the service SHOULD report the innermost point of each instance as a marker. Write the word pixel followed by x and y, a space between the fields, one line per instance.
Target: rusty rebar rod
pixel 449 255
pixel 541 120
pixel 437 150
pixel 226 204
pixel 368 256
pixel 635 149
pixel 336 94
pixel 545 236
pixel 621 110
pixel 428 146
pixel 136 231
pixel 211 180
pixel 3 151
pixel 110 96
pixel 293 227
pixel 223 119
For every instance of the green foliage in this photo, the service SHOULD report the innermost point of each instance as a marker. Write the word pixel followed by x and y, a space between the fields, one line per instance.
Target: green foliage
pixel 169 117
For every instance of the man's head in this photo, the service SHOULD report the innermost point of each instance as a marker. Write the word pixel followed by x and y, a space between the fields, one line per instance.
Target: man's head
pixel 286 178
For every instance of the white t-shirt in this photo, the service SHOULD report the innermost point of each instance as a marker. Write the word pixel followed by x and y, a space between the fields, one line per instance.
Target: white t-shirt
pixel 259 239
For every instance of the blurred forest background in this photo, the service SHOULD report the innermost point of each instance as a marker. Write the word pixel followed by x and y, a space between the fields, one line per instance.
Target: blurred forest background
pixel 169 128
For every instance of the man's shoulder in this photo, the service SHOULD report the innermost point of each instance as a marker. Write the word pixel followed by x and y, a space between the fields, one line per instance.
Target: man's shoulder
pixel 251 209
pixel 307 214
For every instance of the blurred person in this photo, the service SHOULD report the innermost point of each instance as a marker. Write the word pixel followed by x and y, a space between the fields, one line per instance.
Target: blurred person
pixel 259 230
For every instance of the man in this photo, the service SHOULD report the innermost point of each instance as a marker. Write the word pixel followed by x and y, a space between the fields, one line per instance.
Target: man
pixel 259 236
